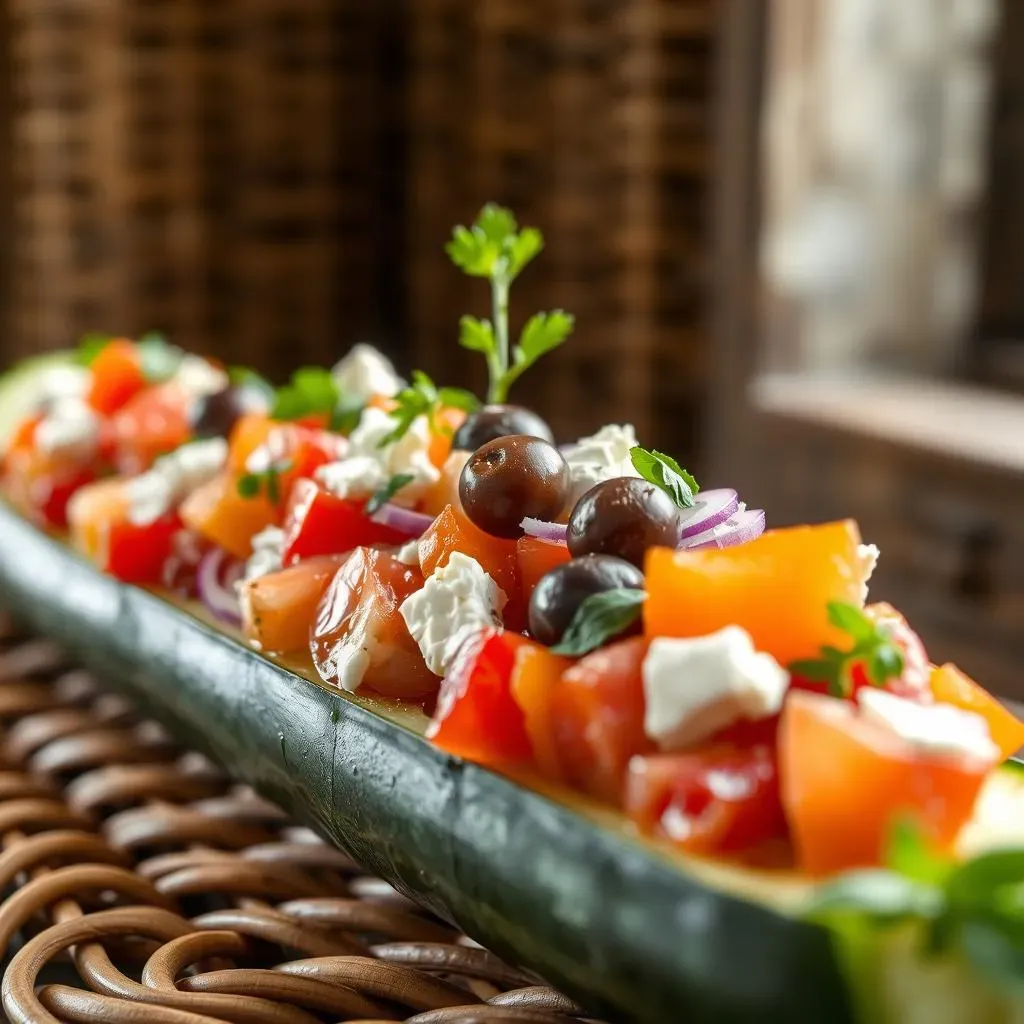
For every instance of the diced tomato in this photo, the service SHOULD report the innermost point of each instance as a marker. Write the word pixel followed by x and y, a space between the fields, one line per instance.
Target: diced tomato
pixel 718 800
pixel 150 424
pixel 452 531
pixel 296 452
pixel 477 717
pixel 749 732
pixel 55 493
pixel 359 638
pixel 277 609
pixel 950 686
pixel 226 518
pixel 777 587
pixel 536 675
pixel 598 713
pixel 846 782
pixel 138 554
pixel 116 376
pixel 318 523
pixel 536 558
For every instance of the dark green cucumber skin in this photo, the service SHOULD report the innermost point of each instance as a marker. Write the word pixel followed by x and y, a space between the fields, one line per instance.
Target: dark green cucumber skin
pixel 609 923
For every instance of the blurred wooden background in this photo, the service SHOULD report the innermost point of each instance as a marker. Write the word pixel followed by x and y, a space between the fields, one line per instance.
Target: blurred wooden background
pixel 271 180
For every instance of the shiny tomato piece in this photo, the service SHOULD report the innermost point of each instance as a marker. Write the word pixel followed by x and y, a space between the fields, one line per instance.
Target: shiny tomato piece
pixel 116 376
pixel 139 554
pixel 452 531
pixel 150 424
pixel 318 523
pixel 55 493
pixel 536 558
pixel 223 516
pixel 359 639
pixel 598 712
pixel 477 717
pixel 536 675
pixel 277 609
pixel 846 782
pixel 950 686
pixel 718 800
pixel 295 452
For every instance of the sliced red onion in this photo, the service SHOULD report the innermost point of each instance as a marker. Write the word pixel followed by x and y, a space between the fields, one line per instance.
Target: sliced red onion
pixel 404 520
pixel 738 529
pixel 709 509
pixel 216 581
pixel 543 530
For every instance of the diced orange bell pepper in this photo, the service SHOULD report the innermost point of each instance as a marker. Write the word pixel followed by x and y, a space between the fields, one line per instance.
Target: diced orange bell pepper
pixel 950 686
pixel 91 511
pixel 777 587
pixel 446 421
pixel 224 517
pixel 251 431
pixel 279 609
pixel 846 782
pixel 116 376
pixel 536 558
pixel 536 674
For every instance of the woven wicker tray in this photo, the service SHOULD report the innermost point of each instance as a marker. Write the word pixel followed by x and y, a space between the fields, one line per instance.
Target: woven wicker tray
pixel 141 885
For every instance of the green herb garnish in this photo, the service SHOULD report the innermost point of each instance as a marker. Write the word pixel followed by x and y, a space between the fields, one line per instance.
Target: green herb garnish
pixel 312 391
pixel 243 377
pixel 663 471
pixel 496 248
pixel 599 618
pixel 387 492
pixel 873 648
pixel 90 345
pixel 423 398
pixel 265 481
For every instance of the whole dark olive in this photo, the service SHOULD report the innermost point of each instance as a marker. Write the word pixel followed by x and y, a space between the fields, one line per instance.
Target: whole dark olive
pixel 214 415
pixel 494 421
pixel 558 595
pixel 624 517
pixel 510 478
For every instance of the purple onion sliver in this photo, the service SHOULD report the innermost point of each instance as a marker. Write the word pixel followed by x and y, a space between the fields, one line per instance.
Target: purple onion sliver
pixel 710 508
pixel 543 530
pixel 742 527
pixel 215 584
pixel 404 520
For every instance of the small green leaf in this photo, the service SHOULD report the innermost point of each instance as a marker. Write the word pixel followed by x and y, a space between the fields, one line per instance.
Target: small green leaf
pixel 159 359
pixel 526 245
pixel 599 618
pixel 346 415
pixel 458 398
pixel 90 345
pixel 423 398
pixel 476 335
pixel 312 391
pixel 249 485
pixel 388 491
pixel 266 481
pixel 425 386
pixel 884 663
pixel 909 854
pixel 882 897
pixel 814 670
pixel 663 471
pixel 851 620
pixel 542 333
pixel 243 377
pixel 495 223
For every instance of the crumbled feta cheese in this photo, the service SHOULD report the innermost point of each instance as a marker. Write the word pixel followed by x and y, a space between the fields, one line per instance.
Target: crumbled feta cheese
pixel 69 430
pixel 267 548
pixel 931 728
pixel 458 600
pixel 198 377
pixel 351 662
pixel 409 553
pixel 694 687
pixel 867 557
pixel 62 383
pixel 365 372
pixel 367 466
pixel 600 457
pixel 173 477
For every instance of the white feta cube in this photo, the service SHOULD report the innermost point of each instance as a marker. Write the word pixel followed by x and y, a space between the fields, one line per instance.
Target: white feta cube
pixel 365 372
pixel 459 599
pixel 198 377
pixel 602 456
pixel 694 687
pixel 71 429
pixel 173 477
pixel 267 550
pixel 409 553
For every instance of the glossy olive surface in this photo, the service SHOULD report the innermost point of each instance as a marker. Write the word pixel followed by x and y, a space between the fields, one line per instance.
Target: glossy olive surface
pixel 623 517
pixel 558 595
pixel 512 478
pixel 494 421
pixel 216 414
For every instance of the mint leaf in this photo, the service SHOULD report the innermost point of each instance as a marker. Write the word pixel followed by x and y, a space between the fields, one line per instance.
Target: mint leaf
pixel 599 618
pixel 852 620
pixel 663 471
pixel 476 335
pixel 90 345
pixel 312 391
pixel 387 492
pixel 159 359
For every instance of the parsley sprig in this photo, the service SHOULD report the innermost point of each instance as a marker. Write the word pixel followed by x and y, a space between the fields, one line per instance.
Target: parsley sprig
pixel 873 647
pixel 265 481
pixel 384 494
pixel 663 471
pixel 424 398
pixel 495 247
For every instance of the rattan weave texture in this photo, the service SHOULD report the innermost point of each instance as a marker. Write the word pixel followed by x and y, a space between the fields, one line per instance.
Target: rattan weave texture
pixel 141 885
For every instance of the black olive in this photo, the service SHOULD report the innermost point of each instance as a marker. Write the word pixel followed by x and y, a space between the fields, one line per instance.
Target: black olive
pixel 214 415
pixel 511 478
pixel 494 421
pixel 560 592
pixel 623 517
